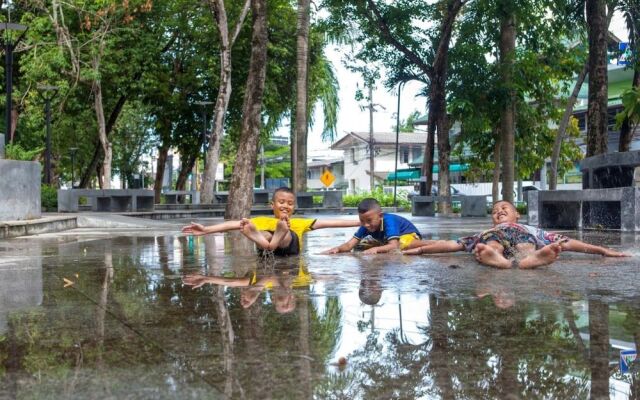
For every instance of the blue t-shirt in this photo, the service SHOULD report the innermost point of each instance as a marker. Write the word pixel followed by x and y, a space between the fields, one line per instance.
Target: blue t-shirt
pixel 392 227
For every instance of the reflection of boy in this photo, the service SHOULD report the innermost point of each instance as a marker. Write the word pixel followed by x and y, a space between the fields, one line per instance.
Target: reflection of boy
pixel 370 291
pixel 381 232
pixel 509 244
pixel 280 233
pixel 251 286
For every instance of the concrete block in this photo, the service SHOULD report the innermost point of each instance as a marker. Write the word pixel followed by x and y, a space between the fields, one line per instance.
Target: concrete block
pixel 261 196
pixel 423 206
pixel 19 190
pixel 304 200
pixel 332 199
pixel 473 206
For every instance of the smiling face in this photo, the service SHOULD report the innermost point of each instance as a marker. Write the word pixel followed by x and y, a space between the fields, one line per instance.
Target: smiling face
pixel 283 203
pixel 371 219
pixel 504 211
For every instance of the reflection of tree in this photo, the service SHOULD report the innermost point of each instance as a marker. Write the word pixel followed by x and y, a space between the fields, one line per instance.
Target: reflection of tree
pixel 631 325
pixel 599 348
pixel 474 349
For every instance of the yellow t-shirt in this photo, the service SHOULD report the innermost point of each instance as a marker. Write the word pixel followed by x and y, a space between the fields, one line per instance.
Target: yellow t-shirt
pixel 297 225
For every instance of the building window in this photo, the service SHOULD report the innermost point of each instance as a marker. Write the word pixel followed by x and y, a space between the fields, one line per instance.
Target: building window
pixel 353 155
pixel 404 154
pixel 417 153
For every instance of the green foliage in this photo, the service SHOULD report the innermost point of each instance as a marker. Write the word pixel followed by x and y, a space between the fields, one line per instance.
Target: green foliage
pixel 49 197
pixel 631 103
pixel 385 199
pixel 15 151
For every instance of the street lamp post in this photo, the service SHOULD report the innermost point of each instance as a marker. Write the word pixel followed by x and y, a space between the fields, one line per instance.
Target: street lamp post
pixel 51 92
pixel 72 153
pixel 395 176
pixel 8 53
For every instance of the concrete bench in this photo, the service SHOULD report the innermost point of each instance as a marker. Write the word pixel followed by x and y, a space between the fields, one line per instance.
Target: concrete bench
pixel 172 196
pixel 106 200
pixel 260 196
pixel 330 198
pixel 471 206
pixel 611 208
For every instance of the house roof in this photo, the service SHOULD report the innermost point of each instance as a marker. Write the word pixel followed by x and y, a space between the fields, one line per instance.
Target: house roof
pixel 379 138
pixel 324 163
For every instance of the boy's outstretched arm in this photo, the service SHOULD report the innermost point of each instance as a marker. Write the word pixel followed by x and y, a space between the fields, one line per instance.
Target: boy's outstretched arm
pixel 343 248
pixel 436 246
pixel 197 280
pixel 198 229
pixel 335 223
pixel 582 247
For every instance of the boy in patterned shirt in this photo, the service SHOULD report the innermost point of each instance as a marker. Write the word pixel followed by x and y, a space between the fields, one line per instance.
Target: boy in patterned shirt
pixel 510 244
pixel 281 233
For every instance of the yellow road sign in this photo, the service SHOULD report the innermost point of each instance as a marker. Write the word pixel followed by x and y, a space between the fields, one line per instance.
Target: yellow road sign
pixel 327 178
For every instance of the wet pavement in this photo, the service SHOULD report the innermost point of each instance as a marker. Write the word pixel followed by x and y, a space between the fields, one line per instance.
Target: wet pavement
pixel 103 313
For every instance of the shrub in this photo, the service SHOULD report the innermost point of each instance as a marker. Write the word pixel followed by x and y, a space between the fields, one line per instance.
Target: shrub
pixel 17 152
pixel 385 199
pixel 49 197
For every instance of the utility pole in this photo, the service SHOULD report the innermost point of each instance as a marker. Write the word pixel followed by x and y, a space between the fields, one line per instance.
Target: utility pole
pixel 372 108
pixel 372 162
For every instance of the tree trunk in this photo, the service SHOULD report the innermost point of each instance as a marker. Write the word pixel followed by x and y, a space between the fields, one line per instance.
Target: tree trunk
pixel 495 184
pixel 187 167
pixel 627 129
pixel 102 135
pixel 444 149
pixel 597 121
pixel 599 348
pixel 564 123
pixel 160 165
pixel 222 100
pixel 243 179
pixel 437 75
pixel 427 162
pixel 438 107
pixel 299 156
pixel 507 117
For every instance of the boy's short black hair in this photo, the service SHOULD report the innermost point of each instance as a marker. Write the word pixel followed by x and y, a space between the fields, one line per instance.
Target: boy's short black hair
pixel 283 189
pixel 368 204
pixel 504 201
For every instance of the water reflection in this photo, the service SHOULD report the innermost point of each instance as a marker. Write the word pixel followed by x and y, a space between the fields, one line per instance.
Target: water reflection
pixel 407 328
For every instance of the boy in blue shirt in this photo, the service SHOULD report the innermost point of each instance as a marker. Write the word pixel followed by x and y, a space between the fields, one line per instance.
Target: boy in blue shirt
pixel 381 231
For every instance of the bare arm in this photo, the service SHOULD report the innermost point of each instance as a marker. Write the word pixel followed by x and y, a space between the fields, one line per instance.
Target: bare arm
pixel 343 248
pixel 198 229
pixel 436 246
pixel 582 247
pixel 197 280
pixel 393 244
pixel 335 223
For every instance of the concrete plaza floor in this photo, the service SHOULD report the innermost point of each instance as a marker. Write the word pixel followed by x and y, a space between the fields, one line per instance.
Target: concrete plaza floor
pixel 102 311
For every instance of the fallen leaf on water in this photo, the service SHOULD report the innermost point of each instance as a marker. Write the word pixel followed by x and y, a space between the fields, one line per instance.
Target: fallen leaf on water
pixel 67 282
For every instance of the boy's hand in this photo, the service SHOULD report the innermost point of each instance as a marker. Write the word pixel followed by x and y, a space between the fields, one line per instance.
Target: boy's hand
pixel 613 253
pixel 373 250
pixel 333 250
pixel 194 229
pixel 195 280
pixel 284 217
pixel 413 252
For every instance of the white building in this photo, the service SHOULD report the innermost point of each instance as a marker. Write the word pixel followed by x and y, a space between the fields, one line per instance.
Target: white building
pixel 355 146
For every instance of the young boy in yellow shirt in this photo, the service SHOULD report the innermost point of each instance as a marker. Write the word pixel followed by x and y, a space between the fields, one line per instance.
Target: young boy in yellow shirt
pixel 281 233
